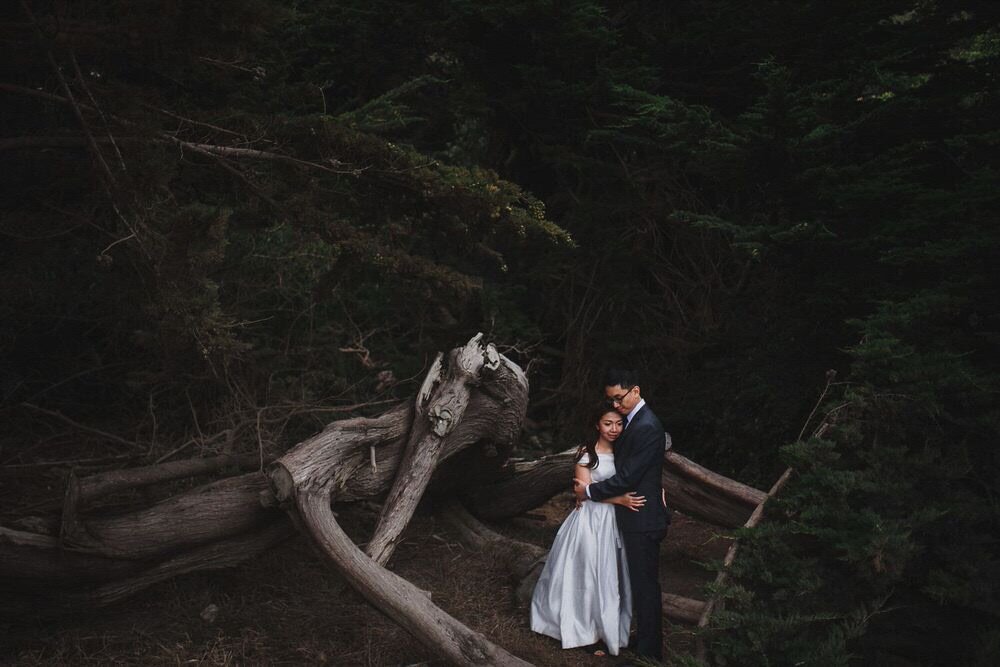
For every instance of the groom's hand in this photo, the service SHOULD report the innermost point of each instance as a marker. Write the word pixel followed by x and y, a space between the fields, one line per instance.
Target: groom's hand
pixel 580 490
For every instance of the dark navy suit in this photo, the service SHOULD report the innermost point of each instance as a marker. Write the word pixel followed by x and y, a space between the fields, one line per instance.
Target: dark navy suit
pixel 639 468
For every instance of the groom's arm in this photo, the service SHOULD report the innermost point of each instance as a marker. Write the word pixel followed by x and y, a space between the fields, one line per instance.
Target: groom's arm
pixel 647 450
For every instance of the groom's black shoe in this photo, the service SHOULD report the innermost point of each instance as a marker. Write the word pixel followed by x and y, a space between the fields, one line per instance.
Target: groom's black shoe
pixel 635 660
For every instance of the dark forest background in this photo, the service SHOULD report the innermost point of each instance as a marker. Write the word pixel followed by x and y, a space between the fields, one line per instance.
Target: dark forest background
pixel 224 222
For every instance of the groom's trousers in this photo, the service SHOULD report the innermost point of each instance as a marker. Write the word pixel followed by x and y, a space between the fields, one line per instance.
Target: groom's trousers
pixel 642 551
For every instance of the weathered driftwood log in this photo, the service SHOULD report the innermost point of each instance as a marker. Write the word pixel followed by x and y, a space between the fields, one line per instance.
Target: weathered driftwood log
pixel 520 486
pixel 100 560
pixel 338 460
pixel 87 489
pixel 419 461
pixel 216 555
pixel 691 489
pixel 321 470
pixel 706 495
pixel 440 407
pixel 39 578
pixel 164 528
pixel 203 515
pixel 682 609
pixel 47 563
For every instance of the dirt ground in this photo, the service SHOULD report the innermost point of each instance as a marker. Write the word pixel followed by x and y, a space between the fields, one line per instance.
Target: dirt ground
pixel 288 607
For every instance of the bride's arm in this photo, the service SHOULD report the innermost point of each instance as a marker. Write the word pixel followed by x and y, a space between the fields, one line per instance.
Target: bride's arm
pixel 629 500
pixel 581 474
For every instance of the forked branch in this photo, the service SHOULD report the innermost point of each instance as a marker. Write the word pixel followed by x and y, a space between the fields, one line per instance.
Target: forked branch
pixel 480 397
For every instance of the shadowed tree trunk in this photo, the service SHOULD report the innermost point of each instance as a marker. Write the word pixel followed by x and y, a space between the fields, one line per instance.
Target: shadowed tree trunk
pixel 692 489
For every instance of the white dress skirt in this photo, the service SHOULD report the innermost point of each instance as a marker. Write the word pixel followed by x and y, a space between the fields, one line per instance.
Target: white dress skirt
pixel 583 595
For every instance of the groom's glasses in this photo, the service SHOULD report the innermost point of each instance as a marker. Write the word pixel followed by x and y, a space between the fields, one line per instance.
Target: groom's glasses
pixel 618 400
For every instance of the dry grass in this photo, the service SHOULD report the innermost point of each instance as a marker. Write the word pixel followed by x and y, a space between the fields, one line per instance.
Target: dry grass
pixel 288 607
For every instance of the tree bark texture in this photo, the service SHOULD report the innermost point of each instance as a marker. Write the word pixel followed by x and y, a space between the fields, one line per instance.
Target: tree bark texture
pixel 439 408
pixel 39 579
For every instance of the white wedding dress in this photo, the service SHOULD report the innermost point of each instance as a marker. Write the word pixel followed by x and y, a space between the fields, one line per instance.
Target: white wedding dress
pixel 583 594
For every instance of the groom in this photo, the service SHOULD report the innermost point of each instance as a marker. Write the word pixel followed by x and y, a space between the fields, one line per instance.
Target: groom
pixel 639 465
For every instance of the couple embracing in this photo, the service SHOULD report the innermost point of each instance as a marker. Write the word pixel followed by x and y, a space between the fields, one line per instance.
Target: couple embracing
pixel 604 561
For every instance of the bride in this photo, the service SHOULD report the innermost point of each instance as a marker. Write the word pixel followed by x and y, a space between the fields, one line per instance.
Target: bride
pixel 583 595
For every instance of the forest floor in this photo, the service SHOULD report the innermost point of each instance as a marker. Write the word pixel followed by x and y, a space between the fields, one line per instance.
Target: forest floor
pixel 288 607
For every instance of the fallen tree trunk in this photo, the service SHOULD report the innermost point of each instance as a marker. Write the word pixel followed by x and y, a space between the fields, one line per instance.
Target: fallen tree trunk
pixel 682 609
pixel 39 579
pixel 89 489
pixel 203 515
pixel 100 560
pixel 419 460
pixel 339 458
pixel 691 489
pixel 705 495
pixel 440 407
pixel 397 598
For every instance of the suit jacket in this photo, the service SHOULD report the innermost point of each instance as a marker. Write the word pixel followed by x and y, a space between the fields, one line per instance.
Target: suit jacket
pixel 638 467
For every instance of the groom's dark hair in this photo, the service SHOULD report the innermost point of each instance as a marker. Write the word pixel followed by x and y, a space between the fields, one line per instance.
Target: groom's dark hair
pixel 621 377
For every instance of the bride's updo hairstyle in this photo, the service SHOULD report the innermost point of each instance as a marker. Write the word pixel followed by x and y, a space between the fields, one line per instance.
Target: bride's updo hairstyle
pixel 589 446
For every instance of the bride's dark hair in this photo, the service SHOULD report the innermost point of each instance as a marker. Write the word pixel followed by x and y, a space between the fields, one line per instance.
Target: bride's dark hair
pixel 589 446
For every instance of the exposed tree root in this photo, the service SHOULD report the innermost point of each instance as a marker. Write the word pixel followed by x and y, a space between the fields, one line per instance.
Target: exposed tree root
pixel 397 598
